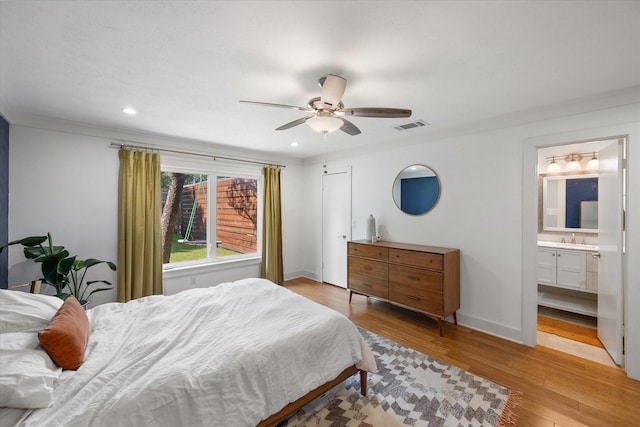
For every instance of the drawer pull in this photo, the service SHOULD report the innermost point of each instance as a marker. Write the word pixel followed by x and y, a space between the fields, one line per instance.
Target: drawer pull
pixel 413 298
pixel 368 268
pixel 411 277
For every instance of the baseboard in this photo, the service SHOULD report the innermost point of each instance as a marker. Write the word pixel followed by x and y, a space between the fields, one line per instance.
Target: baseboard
pixel 491 328
pixel 301 273
pixel 481 325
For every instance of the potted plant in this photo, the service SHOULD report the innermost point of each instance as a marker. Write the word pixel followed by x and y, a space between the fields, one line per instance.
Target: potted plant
pixel 64 272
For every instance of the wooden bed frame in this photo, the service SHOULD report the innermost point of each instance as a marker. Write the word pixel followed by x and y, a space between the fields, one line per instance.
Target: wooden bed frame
pixel 314 394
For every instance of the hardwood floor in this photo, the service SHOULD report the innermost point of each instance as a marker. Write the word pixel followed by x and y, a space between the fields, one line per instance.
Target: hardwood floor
pixel 558 389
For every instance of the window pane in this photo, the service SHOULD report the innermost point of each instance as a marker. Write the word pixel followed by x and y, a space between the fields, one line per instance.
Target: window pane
pixel 184 217
pixel 236 216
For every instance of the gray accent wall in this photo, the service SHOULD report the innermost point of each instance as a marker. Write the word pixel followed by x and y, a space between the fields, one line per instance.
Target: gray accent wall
pixel 4 198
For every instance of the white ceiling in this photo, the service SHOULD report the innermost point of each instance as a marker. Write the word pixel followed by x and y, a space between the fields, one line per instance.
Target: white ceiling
pixel 185 65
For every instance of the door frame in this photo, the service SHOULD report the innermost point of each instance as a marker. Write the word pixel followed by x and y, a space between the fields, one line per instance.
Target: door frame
pixel 530 219
pixel 331 171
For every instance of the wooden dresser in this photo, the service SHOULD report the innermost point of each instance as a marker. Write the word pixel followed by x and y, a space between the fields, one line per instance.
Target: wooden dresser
pixel 420 278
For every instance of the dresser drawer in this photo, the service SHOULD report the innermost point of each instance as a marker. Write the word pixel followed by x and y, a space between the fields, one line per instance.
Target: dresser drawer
pixel 420 299
pixel 419 259
pixel 367 267
pixel 369 285
pixel 415 278
pixel 368 251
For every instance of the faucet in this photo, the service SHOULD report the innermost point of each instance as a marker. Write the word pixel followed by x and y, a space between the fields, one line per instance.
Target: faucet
pixel 563 241
pixel 573 238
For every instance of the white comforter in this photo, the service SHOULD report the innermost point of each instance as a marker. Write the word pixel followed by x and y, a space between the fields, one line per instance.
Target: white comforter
pixel 228 355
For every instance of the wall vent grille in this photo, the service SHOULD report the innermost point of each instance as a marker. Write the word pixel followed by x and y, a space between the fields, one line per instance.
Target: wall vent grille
pixel 411 125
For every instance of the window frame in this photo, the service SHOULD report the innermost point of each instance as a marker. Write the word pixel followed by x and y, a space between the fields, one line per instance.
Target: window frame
pixel 180 163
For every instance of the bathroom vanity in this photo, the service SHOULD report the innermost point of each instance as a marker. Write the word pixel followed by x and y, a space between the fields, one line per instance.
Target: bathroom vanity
pixel 568 277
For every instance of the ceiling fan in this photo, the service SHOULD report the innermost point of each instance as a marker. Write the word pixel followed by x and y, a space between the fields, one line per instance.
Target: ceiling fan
pixel 328 112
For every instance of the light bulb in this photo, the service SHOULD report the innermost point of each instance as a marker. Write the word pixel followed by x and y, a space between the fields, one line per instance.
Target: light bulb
pixel 593 163
pixel 553 166
pixel 573 164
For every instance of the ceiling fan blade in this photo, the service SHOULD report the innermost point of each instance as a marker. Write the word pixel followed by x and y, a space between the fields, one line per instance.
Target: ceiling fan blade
pixel 376 112
pixel 349 128
pixel 332 89
pixel 269 104
pixel 295 123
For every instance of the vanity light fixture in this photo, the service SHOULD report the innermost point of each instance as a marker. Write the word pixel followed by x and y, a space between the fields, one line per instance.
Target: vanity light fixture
pixel 593 162
pixel 572 161
pixel 553 166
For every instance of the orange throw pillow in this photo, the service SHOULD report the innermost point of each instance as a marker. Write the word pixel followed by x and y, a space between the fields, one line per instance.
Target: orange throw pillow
pixel 65 339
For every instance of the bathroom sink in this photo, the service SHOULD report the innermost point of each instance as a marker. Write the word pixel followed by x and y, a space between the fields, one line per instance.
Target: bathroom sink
pixel 559 245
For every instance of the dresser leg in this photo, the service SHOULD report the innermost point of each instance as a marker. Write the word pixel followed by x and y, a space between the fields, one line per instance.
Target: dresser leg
pixel 455 318
pixel 350 295
pixel 440 326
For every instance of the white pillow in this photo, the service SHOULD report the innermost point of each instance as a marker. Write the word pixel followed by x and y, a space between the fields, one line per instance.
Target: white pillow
pixel 25 312
pixel 27 372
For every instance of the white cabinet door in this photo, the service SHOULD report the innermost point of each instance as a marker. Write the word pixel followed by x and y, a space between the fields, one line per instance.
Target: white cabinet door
pixel 592 272
pixel 571 269
pixel 547 266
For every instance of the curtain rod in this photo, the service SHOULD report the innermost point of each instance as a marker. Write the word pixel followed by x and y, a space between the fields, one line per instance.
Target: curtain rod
pixel 124 146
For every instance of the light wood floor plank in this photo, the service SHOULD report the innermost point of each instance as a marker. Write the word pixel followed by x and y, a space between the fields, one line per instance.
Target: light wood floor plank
pixel 558 389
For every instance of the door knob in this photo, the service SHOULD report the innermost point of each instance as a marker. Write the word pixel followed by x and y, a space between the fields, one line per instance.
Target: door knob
pixel 596 255
pixel 344 236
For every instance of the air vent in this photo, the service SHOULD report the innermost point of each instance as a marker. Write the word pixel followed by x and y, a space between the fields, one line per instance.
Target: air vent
pixel 412 125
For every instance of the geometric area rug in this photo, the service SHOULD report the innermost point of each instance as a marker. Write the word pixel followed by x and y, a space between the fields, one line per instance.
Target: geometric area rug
pixel 410 388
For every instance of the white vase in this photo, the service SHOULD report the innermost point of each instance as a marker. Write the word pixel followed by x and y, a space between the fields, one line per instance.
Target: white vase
pixel 371 228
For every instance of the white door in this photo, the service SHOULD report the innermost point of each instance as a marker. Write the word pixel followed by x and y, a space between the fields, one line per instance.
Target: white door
pixel 610 297
pixel 336 225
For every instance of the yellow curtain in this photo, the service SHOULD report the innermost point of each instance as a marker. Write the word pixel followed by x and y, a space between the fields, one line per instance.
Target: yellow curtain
pixel 139 241
pixel 272 227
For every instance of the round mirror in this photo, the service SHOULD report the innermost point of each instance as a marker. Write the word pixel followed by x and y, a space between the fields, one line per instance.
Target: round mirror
pixel 416 190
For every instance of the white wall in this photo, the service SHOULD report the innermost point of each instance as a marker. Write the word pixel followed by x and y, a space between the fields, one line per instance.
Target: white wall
pixel 485 196
pixel 66 182
pixel 481 213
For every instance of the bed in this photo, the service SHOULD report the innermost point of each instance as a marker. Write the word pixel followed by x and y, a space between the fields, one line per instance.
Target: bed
pixel 244 353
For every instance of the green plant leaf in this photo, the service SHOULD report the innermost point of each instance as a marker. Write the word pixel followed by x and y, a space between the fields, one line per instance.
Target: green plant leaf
pixel 26 242
pixel 49 256
pixel 106 282
pixel 65 265
pixel 99 290
pixel 90 262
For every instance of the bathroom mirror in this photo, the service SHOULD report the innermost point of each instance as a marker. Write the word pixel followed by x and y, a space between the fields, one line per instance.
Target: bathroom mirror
pixel 416 190
pixel 568 203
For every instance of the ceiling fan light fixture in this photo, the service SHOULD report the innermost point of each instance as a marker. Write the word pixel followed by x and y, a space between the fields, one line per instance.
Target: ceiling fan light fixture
pixel 332 89
pixel 325 124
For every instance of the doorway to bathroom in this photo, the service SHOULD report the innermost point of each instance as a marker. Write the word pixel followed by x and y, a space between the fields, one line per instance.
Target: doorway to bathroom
pixel 580 249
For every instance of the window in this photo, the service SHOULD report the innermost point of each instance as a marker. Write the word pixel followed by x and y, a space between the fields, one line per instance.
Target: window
pixel 209 216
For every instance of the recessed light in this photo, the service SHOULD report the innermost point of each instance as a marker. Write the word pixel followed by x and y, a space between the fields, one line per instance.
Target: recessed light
pixel 294 144
pixel 129 110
